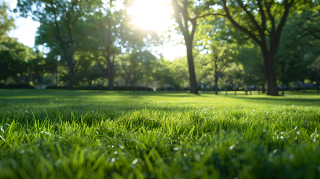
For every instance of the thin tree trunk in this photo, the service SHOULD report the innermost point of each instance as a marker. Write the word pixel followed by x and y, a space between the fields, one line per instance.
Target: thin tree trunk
pixel 71 75
pixel 226 90
pixel 247 90
pixel 263 88
pixel 250 90
pixel 215 78
pixel 258 89
pixel 110 72
pixel 146 86
pixel 216 86
pixel 235 91
pixel 24 78
pixel 304 87
pixel 282 79
pixel 31 77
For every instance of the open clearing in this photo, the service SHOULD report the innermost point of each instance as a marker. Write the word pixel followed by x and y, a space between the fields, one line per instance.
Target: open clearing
pixel 80 134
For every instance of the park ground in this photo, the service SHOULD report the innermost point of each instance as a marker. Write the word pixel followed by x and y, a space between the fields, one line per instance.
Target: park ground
pixel 98 134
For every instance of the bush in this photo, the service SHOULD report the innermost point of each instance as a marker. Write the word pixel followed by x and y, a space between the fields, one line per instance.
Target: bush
pixel 115 88
pixel 17 86
pixel 174 89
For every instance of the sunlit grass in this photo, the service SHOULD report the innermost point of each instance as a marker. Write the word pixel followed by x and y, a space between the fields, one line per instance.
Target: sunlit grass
pixel 68 134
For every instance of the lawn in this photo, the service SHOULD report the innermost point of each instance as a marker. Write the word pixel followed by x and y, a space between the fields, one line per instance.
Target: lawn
pixel 83 134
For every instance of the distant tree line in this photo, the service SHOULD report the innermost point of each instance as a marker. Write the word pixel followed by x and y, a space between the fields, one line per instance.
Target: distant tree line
pixel 265 45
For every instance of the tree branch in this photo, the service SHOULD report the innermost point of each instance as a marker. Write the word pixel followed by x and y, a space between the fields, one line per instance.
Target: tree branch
pixel 237 25
pixel 250 16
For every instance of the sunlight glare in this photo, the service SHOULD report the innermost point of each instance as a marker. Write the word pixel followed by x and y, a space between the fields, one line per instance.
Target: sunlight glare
pixel 152 14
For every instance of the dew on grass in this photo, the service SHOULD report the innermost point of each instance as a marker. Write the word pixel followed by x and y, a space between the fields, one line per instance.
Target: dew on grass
pixel 134 161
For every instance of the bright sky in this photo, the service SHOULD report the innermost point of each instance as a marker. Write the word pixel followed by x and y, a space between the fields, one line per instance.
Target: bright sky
pixel 149 14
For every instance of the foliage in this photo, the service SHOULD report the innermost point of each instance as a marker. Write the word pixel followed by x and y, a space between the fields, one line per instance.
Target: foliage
pixel 6 24
pixel 17 86
pixel 10 66
pixel 253 65
pixel 116 88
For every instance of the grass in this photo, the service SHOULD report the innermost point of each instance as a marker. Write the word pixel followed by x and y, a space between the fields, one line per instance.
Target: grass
pixel 82 134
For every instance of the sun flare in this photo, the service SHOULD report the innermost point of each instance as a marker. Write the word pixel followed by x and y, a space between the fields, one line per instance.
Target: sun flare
pixel 152 14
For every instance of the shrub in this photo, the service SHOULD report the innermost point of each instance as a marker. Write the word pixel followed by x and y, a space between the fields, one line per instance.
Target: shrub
pixel 115 88
pixel 17 86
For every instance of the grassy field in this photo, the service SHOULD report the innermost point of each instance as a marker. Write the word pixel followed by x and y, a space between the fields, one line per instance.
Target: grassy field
pixel 81 134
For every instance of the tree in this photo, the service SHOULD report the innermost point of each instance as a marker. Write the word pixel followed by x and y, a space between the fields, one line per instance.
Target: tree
pixel 297 51
pixel 164 76
pixel 252 61
pixel 105 28
pixel 6 24
pixel 110 35
pixel 182 16
pixel 263 22
pixel 88 71
pixel 9 66
pixel 314 75
pixel 236 76
pixel 59 21
pixel 134 67
pixel 220 60
pixel 179 71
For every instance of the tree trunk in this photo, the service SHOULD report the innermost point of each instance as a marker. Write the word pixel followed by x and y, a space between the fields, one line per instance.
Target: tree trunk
pixel 110 73
pixel 24 78
pixel 247 91
pixel 146 89
pixel 250 90
pixel 216 86
pixel 282 79
pixel 226 90
pixel 70 76
pixel 192 75
pixel 31 78
pixel 90 83
pixel 258 89
pixel 263 88
pixel 215 78
pixel 270 72
pixel 304 87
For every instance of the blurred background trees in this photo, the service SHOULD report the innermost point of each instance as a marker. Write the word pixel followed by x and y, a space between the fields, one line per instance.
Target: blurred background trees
pixel 230 45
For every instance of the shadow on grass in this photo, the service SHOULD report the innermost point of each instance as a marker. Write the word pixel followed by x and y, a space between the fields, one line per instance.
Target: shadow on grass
pixel 279 99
